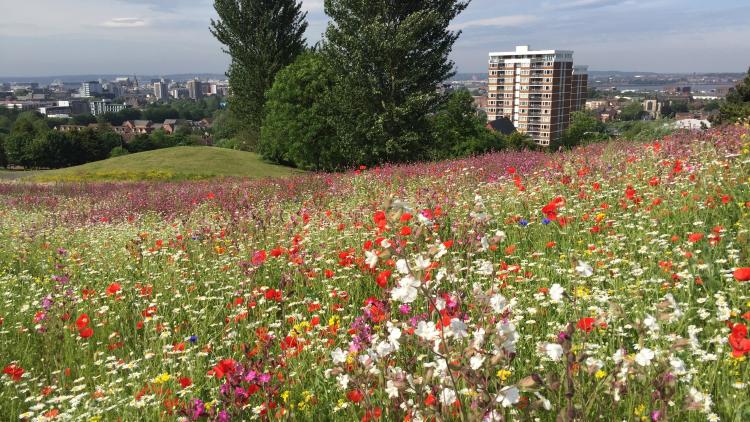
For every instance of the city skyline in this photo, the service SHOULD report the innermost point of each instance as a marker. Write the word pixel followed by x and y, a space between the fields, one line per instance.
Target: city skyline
pixel 45 38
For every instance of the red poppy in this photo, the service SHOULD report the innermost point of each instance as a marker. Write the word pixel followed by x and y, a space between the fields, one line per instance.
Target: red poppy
pixel 14 371
pixel 405 231
pixel 224 367
pixel 695 237
pixel 405 217
pixel 259 257
pixel 185 382
pixel 355 396
pixel 739 341
pixel 82 321
pixel 742 274
pixel 113 289
pixel 586 324
pixel 382 279
pixel 86 332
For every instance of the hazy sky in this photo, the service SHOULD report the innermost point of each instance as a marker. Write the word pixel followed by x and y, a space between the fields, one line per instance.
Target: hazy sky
pixel 57 37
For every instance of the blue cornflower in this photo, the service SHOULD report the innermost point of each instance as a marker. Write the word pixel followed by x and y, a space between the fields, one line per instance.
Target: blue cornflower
pixel 523 222
pixel 193 339
pixel 546 221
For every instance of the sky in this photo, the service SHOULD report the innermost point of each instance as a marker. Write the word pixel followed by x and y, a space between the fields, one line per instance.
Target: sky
pixel 66 37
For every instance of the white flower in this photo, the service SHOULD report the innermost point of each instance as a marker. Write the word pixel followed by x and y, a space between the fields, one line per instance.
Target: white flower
pixel 485 243
pixel 678 366
pixel 508 332
pixel 406 292
pixel 553 350
pixel 426 331
pixel 402 266
pixel 644 356
pixel 476 362
pixel 584 269
pixel 556 293
pixel 478 338
pixel 338 356
pixel 500 236
pixel 498 303
pixel 394 335
pixel 459 328
pixel 422 263
pixel 343 381
pixel 508 396
pixel 650 323
pixel 390 388
pixel 385 244
pixel 371 258
pixel 447 396
pixel 384 348
pixel 485 268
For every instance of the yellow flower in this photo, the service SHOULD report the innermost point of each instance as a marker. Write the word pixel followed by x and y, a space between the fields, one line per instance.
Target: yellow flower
pixel 161 379
pixel 600 374
pixel 503 374
pixel 582 292
pixel 96 418
pixel 334 320
pixel 639 410
pixel 285 395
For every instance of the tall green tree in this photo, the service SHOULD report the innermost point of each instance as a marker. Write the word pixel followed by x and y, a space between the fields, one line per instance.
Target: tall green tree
pixel 262 37
pixel 388 58
pixel 737 104
pixel 299 127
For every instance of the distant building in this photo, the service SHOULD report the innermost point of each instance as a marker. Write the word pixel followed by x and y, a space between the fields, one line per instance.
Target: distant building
pixel 195 89
pixel 105 106
pixel 652 107
pixel 179 93
pixel 161 91
pixel 55 111
pixel 88 89
pixel 536 90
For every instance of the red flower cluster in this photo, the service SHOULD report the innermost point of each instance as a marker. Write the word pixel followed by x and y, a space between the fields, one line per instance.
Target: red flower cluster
pixel 739 341
pixel 14 371
pixel 82 323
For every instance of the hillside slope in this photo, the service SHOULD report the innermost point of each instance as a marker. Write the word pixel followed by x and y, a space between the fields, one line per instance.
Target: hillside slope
pixel 177 163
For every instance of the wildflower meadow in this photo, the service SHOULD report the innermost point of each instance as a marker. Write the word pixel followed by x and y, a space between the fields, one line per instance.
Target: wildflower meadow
pixel 605 283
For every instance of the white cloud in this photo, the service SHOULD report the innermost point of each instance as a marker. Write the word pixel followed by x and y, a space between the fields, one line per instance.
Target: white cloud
pixel 497 22
pixel 580 4
pixel 124 23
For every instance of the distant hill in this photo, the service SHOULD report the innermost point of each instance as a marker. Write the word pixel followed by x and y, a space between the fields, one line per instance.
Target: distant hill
pixel 177 163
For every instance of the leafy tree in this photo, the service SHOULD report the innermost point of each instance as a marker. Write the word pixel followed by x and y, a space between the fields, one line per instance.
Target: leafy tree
pixel 83 119
pixel 584 127
pixel 712 105
pixel 459 131
pixel 298 128
pixel 387 57
pixel 737 104
pixel 262 37
pixel 3 158
pixel 679 107
pixel 632 111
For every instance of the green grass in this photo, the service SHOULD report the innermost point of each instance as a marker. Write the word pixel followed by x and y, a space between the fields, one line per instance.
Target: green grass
pixel 177 163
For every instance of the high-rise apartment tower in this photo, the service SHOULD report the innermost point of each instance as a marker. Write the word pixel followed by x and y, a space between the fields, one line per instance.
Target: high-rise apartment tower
pixel 536 90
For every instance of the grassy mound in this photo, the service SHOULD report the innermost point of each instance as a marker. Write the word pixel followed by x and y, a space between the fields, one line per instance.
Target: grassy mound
pixel 178 163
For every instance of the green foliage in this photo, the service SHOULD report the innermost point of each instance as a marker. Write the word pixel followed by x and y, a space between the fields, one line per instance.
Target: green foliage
pixel 632 111
pixel 642 130
pixel 584 128
pixel 262 37
pixel 118 151
pixel 82 119
pixel 737 104
pixel 33 144
pixel 680 106
pixel 458 131
pixel 298 128
pixel 387 58
pixel 3 158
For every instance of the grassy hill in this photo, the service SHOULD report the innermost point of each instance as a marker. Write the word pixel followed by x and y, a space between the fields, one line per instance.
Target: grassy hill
pixel 178 163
